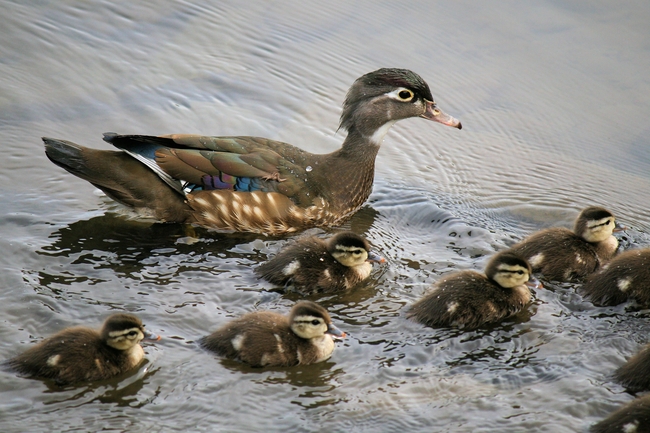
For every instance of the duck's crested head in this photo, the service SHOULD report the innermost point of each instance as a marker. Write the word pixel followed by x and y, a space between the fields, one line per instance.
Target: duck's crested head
pixel 310 320
pixel 595 224
pixel 385 96
pixel 123 331
pixel 508 269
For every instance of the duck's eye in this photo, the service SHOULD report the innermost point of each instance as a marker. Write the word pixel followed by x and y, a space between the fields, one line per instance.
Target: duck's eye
pixel 315 322
pixel 133 333
pixel 520 272
pixel 405 95
pixel 608 221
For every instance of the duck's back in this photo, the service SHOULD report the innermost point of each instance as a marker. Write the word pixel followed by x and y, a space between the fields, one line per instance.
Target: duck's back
pixel 468 299
pixel 559 254
pixel 73 355
pixel 626 276
pixel 259 339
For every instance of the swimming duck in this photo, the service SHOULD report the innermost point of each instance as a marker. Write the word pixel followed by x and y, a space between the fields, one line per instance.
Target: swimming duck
pixel 626 276
pixel 312 265
pixel 80 354
pixel 265 338
pixel 635 373
pixel 255 184
pixel 564 255
pixel 634 417
pixel 469 299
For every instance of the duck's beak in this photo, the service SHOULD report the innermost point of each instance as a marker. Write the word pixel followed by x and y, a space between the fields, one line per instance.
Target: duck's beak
pixel 148 336
pixel 434 113
pixel 534 283
pixel 335 332
pixel 619 227
pixel 374 257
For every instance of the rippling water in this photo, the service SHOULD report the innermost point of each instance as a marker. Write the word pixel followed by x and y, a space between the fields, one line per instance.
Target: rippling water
pixel 554 98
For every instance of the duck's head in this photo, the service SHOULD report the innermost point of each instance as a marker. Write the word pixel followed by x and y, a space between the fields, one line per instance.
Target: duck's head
pixel 351 250
pixel 509 270
pixel 595 224
pixel 123 331
pixel 310 320
pixel 380 98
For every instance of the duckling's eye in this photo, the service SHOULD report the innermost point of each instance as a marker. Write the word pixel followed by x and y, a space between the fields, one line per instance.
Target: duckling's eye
pixel 405 95
pixel 315 322
pixel 608 221
pixel 133 333
pixel 520 272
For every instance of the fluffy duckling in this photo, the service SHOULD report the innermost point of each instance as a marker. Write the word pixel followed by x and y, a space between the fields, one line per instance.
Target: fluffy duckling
pixel 80 354
pixel 313 265
pixel 564 255
pixel 627 276
pixel 633 417
pixel 265 338
pixel 469 299
pixel 635 373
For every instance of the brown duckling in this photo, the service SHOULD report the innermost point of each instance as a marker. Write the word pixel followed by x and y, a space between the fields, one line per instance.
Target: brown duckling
pixel 80 354
pixel 265 338
pixel 311 264
pixel 635 373
pixel 564 255
pixel 469 299
pixel 627 276
pixel 633 417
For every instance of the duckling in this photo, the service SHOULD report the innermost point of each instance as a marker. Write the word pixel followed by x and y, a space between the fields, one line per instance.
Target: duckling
pixel 265 338
pixel 634 417
pixel 253 184
pixel 564 255
pixel 313 265
pixel 627 276
pixel 469 299
pixel 80 354
pixel 635 373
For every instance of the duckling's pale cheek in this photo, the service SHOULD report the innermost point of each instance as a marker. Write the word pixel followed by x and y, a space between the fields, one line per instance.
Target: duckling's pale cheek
pixel 624 284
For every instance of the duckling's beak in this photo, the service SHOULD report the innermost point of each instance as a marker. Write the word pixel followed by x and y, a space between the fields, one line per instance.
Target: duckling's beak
pixel 335 332
pixel 148 336
pixel 374 257
pixel 434 113
pixel 534 283
pixel 619 227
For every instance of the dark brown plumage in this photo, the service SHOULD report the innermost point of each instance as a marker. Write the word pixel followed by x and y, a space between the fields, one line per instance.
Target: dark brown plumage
pixel 312 265
pixel 635 373
pixel 625 277
pixel 80 354
pixel 469 299
pixel 250 183
pixel 265 338
pixel 564 255
pixel 633 417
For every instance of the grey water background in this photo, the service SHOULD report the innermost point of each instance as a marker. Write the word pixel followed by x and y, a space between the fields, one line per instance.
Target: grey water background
pixel 555 101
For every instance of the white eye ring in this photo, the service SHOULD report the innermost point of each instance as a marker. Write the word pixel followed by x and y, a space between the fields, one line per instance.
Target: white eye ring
pixel 402 94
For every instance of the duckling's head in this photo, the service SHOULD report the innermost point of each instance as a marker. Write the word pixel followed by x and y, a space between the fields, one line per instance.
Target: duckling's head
pixel 310 320
pixel 123 331
pixel 595 224
pixel 382 97
pixel 508 270
pixel 351 250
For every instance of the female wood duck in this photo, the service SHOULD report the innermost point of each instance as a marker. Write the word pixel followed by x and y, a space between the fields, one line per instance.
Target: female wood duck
pixel 469 299
pixel 265 338
pixel 255 184
pixel 634 417
pixel 634 375
pixel 564 255
pixel 627 276
pixel 313 265
pixel 80 354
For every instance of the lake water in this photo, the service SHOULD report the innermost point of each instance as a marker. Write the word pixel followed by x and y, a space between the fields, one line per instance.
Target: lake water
pixel 554 98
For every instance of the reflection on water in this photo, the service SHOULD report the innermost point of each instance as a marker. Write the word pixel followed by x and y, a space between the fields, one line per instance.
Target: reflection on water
pixel 554 102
